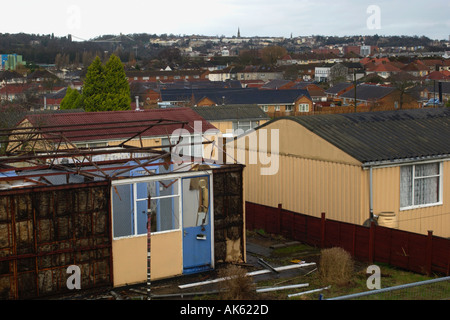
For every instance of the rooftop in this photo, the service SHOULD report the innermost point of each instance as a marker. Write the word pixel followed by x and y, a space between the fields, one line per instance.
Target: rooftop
pixel 235 95
pixel 385 135
pixel 89 126
pixel 367 92
pixel 232 112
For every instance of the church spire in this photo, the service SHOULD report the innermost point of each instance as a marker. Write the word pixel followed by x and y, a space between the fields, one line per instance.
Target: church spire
pixel 239 33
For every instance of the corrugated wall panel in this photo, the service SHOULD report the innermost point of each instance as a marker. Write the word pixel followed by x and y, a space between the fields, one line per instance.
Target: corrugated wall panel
pixel 310 187
pixel 386 195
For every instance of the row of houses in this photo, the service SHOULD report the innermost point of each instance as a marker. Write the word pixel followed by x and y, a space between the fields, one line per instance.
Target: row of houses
pixel 276 98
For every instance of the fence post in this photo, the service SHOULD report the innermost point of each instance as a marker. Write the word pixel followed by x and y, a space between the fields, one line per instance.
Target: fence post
pixel 354 241
pixel 371 241
pixel 322 230
pixel 280 210
pixel 429 251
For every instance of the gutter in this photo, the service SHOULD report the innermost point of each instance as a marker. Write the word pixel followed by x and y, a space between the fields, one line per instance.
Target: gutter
pixel 397 162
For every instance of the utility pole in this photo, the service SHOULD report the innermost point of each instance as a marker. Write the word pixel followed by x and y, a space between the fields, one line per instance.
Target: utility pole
pixel 354 79
pixel 149 231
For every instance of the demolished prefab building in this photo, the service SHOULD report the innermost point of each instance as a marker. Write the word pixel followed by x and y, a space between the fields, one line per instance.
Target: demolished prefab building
pixel 94 215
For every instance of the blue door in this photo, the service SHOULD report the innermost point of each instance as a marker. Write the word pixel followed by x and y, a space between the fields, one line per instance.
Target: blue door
pixel 197 239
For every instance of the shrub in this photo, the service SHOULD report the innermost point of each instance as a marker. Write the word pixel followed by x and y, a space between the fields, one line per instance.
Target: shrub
pixel 237 285
pixel 335 266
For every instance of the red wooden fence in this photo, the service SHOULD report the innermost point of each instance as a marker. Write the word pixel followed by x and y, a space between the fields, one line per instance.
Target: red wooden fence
pixel 419 253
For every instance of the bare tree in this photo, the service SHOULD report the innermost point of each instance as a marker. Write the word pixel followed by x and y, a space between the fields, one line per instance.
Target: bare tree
pixel 402 81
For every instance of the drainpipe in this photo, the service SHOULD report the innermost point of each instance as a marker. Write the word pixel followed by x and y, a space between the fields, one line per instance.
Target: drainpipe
pixel 371 193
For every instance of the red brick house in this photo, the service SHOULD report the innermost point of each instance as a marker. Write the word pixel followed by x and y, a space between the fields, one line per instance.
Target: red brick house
pixel 167 76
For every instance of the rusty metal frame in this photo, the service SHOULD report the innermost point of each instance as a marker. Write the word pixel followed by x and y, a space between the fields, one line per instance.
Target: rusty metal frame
pixel 58 144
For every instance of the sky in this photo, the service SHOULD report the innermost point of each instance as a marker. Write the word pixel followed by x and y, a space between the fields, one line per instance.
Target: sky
pixel 265 18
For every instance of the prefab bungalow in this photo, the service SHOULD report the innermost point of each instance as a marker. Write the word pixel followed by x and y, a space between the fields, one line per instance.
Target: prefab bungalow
pixel 231 118
pixel 140 128
pixel 388 166
pixel 51 219
pixel 122 214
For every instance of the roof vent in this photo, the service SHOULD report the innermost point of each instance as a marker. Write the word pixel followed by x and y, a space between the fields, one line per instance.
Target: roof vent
pixel 137 103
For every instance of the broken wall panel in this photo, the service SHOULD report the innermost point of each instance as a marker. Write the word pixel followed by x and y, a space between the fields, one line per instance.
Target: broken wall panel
pixel 44 231
pixel 229 231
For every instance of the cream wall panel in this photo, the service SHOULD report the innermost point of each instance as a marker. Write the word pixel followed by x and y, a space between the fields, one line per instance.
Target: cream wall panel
pixel 310 187
pixel 421 220
pixel 130 258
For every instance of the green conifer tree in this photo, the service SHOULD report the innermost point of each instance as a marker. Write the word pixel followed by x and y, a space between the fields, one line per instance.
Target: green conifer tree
pixel 106 87
pixel 72 99
pixel 117 87
pixel 94 87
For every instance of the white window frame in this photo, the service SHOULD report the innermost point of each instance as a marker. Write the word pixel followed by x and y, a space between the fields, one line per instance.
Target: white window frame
pixel 440 183
pixel 303 107
pixel 134 199
pixel 145 179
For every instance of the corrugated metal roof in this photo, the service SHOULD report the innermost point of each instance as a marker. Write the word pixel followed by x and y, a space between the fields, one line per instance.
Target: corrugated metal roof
pixel 100 125
pixel 368 92
pixel 339 87
pixel 235 96
pixel 232 112
pixel 385 135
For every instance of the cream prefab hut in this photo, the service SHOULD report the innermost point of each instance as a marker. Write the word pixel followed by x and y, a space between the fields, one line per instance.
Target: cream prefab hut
pixel 390 166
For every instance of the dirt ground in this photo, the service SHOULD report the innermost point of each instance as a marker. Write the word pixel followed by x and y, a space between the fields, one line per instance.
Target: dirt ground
pixel 261 248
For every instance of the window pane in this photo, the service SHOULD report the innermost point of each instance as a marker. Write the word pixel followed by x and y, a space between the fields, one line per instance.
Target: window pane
pixel 406 186
pixel 195 201
pixel 426 190
pixel 165 214
pixel 425 170
pixel 123 211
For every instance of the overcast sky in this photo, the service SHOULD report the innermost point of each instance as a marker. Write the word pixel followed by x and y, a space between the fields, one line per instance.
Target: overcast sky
pixel 88 19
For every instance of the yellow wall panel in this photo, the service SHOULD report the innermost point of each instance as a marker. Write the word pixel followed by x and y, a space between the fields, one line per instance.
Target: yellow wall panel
pixel 130 258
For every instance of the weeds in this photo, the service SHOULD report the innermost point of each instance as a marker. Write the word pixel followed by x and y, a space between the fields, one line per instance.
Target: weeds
pixel 336 266
pixel 237 286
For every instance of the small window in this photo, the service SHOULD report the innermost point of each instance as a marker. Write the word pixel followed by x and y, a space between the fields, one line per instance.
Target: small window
pixel 288 108
pixel 242 125
pixel 130 207
pixel 420 185
pixel 303 107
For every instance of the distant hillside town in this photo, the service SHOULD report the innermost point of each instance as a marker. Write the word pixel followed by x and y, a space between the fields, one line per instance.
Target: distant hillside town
pixel 172 70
